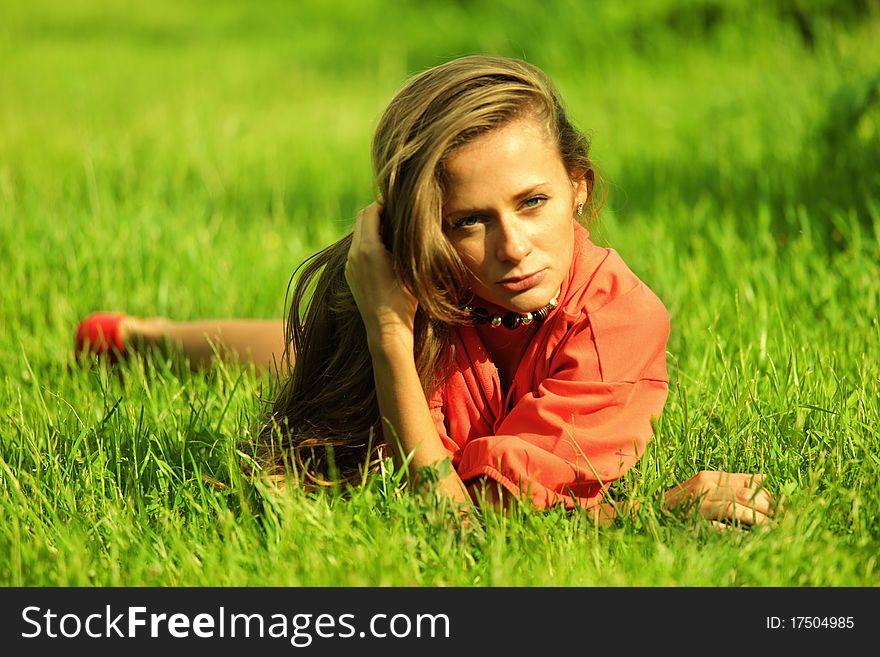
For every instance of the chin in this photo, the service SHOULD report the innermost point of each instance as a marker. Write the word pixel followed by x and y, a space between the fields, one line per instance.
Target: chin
pixel 527 301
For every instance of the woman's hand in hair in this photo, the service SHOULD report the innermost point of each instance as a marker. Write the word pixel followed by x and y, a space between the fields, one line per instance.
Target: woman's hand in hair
pixel 386 307
pixel 724 497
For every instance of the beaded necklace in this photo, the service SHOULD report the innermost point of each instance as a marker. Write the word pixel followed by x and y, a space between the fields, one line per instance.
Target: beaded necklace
pixel 511 320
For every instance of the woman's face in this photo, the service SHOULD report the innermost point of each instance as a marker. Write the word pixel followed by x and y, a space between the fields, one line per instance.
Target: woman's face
pixel 509 211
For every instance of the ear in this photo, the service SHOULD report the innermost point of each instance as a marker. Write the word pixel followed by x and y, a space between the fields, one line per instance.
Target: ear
pixel 582 186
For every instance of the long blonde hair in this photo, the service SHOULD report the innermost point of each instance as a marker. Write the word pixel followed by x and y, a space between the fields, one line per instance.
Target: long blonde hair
pixel 324 419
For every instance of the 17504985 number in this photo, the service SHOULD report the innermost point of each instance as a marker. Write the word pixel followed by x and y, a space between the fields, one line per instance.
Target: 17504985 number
pixel 820 622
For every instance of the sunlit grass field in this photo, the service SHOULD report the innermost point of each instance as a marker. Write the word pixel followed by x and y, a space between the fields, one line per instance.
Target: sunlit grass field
pixel 181 158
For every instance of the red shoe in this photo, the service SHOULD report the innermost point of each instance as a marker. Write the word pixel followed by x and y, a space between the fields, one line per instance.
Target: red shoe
pixel 100 334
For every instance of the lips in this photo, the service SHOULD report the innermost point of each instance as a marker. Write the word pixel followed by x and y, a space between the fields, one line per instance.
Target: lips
pixel 521 283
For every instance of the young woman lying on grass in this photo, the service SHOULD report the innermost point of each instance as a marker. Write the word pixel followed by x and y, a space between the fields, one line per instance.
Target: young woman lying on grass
pixel 467 318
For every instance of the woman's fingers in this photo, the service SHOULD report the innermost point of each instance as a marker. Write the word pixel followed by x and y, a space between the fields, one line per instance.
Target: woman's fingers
pixel 742 498
pixel 726 497
pixel 366 226
pixel 733 511
pixel 367 251
pixel 756 498
pixel 365 232
pixel 384 304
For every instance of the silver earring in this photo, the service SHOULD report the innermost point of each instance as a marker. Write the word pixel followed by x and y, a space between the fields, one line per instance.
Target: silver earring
pixel 580 209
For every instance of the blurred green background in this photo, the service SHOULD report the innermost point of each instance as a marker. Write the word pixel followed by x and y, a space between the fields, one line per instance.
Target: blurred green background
pixel 180 158
pixel 254 119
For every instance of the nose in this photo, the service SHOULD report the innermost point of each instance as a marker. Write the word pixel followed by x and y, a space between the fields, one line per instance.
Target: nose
pixel 512 241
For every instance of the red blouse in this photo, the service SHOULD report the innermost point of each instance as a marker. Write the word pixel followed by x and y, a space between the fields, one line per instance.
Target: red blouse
pixel 577 414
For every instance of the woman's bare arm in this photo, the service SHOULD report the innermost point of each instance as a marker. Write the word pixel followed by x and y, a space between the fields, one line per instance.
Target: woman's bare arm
pixel 388 312
pixel 256 341
pixel 721 497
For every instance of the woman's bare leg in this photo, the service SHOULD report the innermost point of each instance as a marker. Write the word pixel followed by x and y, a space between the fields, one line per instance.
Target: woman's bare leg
pixel 257 341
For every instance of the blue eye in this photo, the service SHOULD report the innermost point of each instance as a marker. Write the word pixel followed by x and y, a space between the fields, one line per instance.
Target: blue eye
pixel 534 201
pixel 465 222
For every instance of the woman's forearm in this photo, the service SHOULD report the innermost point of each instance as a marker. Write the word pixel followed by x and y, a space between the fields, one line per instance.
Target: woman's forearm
pixel 257 341
pixel 407 421
pixel 388 311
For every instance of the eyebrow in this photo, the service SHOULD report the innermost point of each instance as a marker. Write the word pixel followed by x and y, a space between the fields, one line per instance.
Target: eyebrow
pixel 519 196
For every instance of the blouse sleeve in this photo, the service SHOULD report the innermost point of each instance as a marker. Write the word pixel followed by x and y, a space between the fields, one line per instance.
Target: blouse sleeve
pixel 590 419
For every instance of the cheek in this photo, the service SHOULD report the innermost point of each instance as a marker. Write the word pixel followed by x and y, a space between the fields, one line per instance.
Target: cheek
pixel 470 253
pixel 474 262
pixel 564 233
pixel 558 241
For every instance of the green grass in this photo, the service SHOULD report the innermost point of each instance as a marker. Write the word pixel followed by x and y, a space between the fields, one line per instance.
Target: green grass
pixel 181 158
